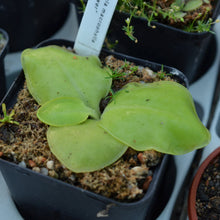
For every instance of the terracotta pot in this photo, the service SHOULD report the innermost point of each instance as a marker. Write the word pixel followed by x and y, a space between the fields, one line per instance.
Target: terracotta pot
pixel 192 214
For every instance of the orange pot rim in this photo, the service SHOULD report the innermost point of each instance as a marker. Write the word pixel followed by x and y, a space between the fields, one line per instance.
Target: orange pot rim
pixel 192 214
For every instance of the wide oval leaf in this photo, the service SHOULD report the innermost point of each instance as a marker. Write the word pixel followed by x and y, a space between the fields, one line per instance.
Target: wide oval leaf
pixel 65 111
pixel 53 71
pixel 192 5
pixel 159 116
pixel 85 147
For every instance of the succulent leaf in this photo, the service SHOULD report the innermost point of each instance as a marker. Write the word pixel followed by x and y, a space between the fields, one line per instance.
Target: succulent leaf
pixel 192 5
pixel 53 72
pixel 178 2
pixel 65 111
pixel 180 14
pixel 159 116
pixel 85 147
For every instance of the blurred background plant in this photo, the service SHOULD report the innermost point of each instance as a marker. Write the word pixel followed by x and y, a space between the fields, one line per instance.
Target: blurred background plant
pixel 190 16
pixel 2 41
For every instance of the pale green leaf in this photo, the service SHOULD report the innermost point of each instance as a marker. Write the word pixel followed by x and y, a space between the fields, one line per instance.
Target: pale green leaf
pixel 178 2
pixel 192 5
pixel 65 111
pixel 159 116
pixel 85 147
pixel 179 14
pixel 53 72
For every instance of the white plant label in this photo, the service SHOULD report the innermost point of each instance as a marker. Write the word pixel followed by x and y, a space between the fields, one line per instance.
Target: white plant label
pixel 94 26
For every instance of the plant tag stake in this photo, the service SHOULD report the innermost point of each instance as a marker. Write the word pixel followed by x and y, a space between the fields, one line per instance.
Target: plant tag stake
pixel 93 27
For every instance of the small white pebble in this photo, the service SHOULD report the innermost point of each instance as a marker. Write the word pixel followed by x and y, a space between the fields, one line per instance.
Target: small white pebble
pixel 44 171
pixel 36 169
pixel 150 173
pixel 140 170
pixel 72 177
pixel 149 71
pixel 22 164
pixel 50 164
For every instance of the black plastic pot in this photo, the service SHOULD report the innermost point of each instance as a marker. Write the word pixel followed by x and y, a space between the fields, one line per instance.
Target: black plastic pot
pixel 28 22
pixel 3 52
pixel 42 197
pixel 191 53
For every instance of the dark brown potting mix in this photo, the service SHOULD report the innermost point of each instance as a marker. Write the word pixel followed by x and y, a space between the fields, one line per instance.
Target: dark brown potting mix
pixel 201 13
pixel 26 144
pixel 208 194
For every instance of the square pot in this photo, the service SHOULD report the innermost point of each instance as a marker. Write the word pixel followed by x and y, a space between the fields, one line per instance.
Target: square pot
pixel 191 53
pixel 42 197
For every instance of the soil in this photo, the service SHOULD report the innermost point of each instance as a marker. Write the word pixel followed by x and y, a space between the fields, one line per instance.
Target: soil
pixel 208 194
pixel 189 17
pixel 25 144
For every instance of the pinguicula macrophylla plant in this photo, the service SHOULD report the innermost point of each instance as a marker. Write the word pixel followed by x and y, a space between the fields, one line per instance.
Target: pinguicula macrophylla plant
pixel 69 87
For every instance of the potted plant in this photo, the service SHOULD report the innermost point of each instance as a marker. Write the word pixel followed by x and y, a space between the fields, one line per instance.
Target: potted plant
pixel 175 33
pixel 3 50
pixel 203 200
pixel 53 198
pixel 29 22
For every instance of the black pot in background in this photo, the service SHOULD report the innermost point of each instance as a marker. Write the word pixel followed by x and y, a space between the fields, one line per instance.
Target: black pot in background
pixel 191 53
pixel 28 22
pixel 3 52
pixel 42 197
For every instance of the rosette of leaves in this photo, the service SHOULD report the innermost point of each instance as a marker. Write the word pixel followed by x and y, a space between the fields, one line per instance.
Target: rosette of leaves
pixel 159 116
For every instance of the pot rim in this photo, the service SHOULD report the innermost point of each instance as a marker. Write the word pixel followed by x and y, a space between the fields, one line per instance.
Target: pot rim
pixel 216 12
pixel 192 214
pixel 5 34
